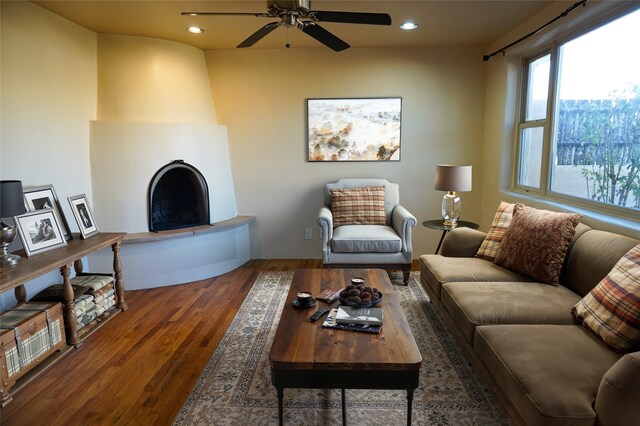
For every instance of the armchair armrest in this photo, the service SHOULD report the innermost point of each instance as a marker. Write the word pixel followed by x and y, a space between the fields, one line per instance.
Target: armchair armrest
pixel 325 221
pixel 402 221
pixel 462 242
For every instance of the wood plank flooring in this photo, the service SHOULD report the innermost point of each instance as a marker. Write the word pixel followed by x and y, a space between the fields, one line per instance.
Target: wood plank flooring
pixel 140 367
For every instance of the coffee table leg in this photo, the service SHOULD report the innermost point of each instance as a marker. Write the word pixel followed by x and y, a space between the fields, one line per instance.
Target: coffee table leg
pixel 409 405
pixel 280 407
pixel 344 408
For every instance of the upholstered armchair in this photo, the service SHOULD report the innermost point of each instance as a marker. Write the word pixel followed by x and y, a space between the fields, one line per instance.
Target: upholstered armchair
pixel 364 225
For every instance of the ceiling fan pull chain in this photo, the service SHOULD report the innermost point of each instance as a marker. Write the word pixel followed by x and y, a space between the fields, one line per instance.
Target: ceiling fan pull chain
pixel 287 44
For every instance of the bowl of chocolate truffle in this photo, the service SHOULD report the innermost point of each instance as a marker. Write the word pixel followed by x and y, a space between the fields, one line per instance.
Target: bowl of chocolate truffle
pixel 359 295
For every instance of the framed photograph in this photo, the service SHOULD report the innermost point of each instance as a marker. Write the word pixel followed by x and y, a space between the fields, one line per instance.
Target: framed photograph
pixel 84 217
pixel 40 231
pixel 44 197
pixel 361 129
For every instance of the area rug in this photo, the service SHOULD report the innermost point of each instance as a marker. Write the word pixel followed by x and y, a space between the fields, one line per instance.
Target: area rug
pixel 235 387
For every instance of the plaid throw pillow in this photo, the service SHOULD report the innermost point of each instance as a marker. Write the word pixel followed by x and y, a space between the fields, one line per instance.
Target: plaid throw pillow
pixel 358 206
pixel 612 308
pixel 491 243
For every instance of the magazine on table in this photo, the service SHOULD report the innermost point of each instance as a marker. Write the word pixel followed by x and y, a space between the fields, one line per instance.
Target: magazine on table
pixel 351 315
pixel 330 322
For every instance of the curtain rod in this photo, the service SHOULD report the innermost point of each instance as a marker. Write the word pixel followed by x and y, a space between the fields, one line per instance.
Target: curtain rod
pixel 562 15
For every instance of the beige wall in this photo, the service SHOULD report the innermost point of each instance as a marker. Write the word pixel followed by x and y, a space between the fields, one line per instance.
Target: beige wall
pixel 260 95
pixel 49 87
pixel 147 79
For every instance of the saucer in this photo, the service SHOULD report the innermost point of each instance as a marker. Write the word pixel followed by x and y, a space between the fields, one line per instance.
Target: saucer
pixel 297 305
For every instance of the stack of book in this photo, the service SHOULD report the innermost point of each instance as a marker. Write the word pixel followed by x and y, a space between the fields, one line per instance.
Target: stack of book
pixel 356 319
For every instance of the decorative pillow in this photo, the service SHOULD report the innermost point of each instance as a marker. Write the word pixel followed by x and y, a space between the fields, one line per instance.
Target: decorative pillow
pixel 612 308
pixel 358 206
pixel 491 243
pixel 536 243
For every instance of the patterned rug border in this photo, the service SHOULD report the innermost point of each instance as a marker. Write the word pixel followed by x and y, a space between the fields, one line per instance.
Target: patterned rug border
pixel 200 406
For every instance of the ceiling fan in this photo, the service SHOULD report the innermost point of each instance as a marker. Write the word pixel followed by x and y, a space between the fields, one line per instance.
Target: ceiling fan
pixel 298 13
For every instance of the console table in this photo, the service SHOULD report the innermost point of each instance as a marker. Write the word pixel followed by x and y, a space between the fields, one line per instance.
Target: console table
pixel 28 268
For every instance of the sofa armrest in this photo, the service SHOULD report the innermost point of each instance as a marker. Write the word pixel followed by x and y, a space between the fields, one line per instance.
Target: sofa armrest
pixel 325 222
pixel 402 221
pixel 462 242
pixel 618 399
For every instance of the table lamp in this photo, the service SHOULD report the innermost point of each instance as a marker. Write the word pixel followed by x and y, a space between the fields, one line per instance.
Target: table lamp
pixel 11 204
pixel 452 179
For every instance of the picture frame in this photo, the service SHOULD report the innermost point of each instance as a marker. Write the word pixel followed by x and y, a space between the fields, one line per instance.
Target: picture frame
pixel 83 215
pixel 43 197
pixel 40 231
pixel 354 129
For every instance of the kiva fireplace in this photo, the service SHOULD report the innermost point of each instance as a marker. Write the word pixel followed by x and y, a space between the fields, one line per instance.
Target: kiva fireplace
pixel 178 197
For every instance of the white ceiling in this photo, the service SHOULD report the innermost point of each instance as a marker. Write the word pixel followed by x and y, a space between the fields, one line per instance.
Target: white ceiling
pixel 452 22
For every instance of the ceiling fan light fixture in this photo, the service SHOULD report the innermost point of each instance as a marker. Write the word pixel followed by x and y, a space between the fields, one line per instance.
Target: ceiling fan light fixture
pixel 408 25
pixel 196 30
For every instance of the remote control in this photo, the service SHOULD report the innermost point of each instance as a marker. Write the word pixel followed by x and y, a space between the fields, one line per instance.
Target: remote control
pixel 320 312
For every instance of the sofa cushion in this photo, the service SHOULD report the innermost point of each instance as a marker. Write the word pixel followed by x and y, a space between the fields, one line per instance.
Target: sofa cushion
pixel 501 221
pixel 592 257
pixel 365 239
pixel 436 270
pixel 612 308
pixel 536 243
pixel 471 304
pixel 551 373
pixel 363 206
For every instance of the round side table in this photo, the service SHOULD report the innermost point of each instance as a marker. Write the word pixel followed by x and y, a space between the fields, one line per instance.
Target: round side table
pixel 439 225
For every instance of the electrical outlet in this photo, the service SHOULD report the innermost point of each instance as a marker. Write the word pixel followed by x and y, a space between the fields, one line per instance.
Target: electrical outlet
pixel 308 234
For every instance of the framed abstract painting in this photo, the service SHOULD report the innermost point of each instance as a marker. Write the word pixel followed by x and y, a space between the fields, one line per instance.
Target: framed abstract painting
pixel 358 129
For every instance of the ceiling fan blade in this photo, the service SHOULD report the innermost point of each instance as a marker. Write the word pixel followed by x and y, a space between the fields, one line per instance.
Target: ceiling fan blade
pixel 260 14
pixel 351 17
pixel 323 36
pixel 255 37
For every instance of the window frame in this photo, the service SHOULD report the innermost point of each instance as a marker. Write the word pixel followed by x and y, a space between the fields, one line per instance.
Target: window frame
pixel 544 191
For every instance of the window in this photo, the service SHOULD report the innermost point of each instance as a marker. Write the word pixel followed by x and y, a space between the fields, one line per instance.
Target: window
pixel 590 151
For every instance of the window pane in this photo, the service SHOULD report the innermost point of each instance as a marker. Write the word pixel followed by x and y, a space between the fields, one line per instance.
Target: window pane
pixel 538 89
pixel 597 131
pixel 530 156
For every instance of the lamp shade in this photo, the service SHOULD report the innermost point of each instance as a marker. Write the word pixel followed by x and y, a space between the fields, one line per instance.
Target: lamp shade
pixel 453 178
pixel 11 198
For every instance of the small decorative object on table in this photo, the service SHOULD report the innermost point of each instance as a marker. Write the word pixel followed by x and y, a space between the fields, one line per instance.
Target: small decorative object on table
pixel 329 295
pixel 358 295
pixel 40 231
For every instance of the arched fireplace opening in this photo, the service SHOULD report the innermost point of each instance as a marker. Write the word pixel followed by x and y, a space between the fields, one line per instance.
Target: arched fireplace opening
pixel 178 197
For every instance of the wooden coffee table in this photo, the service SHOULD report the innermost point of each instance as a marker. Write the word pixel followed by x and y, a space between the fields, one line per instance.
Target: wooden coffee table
pixel 305 355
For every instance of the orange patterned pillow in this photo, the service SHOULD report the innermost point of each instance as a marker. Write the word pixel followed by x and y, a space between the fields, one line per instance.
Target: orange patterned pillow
pixel 612 308
pixel 536 243
pixel 358 206
pixel 491 243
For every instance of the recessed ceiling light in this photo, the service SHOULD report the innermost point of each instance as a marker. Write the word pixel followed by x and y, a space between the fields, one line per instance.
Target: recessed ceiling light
pixel 409 25
pixel 196 30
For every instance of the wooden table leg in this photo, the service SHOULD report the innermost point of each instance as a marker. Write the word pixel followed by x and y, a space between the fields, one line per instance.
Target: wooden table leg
pixel 441 240
pixel 409 405
pixel 21 293
pixel 119 285
pixel 280 405
pixel 69 314
pixel 344 408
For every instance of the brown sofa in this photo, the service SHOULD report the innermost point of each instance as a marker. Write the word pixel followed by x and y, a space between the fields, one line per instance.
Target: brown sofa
pixel 521 338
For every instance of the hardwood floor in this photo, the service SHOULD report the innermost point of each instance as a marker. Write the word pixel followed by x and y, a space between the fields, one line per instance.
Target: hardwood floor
pixel 140 367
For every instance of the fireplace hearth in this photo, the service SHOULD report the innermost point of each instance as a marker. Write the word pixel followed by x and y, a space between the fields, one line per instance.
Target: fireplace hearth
pixel 178 197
